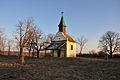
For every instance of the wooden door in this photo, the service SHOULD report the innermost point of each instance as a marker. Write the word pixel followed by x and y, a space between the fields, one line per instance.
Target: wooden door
pixel 58 53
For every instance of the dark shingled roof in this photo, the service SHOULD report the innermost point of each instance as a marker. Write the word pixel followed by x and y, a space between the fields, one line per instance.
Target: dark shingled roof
pixel 62 22
pixel 54 46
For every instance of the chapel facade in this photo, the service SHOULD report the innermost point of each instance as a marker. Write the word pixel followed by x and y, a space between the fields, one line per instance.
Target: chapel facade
pixel 62 45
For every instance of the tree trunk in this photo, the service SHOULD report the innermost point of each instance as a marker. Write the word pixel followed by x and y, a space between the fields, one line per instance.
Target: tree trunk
pixel 21 55
pixel 33 54
pixel 80 51
pixel 111 51
pixel 37 53
pixel 9 52
pixel 3 50
pixel 29 52
pixel 110 54
pixel 20 52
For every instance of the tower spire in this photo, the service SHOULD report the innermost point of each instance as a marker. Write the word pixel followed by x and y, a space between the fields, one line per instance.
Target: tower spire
pixel 62 22
pixel 62 26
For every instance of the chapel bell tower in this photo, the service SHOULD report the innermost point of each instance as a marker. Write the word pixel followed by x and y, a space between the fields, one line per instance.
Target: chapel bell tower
pixel 62 26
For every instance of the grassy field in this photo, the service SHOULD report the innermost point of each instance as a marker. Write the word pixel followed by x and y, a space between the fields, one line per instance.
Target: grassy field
pixel 50 68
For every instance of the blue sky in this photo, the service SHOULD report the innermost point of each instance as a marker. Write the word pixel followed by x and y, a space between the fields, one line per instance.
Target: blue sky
pixel 91 18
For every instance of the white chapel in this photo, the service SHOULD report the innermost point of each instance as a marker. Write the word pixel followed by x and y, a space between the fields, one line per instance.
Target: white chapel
pixel 62 45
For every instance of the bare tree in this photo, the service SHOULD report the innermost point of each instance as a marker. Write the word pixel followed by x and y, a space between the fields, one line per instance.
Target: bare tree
pixel 51 37
pixel 9 45
pixel 25 33
pixel 81 41
pixel 37 44
pixel 1 40
pixel 29 46
pixel 111 40
pixel 17 46
pixel 92 52
pixel 3 43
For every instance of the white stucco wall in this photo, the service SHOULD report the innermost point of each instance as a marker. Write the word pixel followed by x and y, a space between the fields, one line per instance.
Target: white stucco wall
pixel 71 53
pixel 55 53
pixel 62 53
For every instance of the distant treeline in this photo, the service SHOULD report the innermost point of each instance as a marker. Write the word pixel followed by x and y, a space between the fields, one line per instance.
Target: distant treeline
pixel 16 53
pixel 100 54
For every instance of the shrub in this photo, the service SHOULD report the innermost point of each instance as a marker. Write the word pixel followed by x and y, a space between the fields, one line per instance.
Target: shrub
pixel 101 53
pixel 116 55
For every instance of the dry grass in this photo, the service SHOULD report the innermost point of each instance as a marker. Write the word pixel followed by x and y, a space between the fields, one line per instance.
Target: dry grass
pixel 50 68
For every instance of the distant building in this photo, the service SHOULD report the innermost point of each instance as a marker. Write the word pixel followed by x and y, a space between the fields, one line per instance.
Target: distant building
pixel 62 45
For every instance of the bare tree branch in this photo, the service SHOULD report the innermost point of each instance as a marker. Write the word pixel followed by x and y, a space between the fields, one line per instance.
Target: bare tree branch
pixel 111 40
pixel 81 41
pixel 25 33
